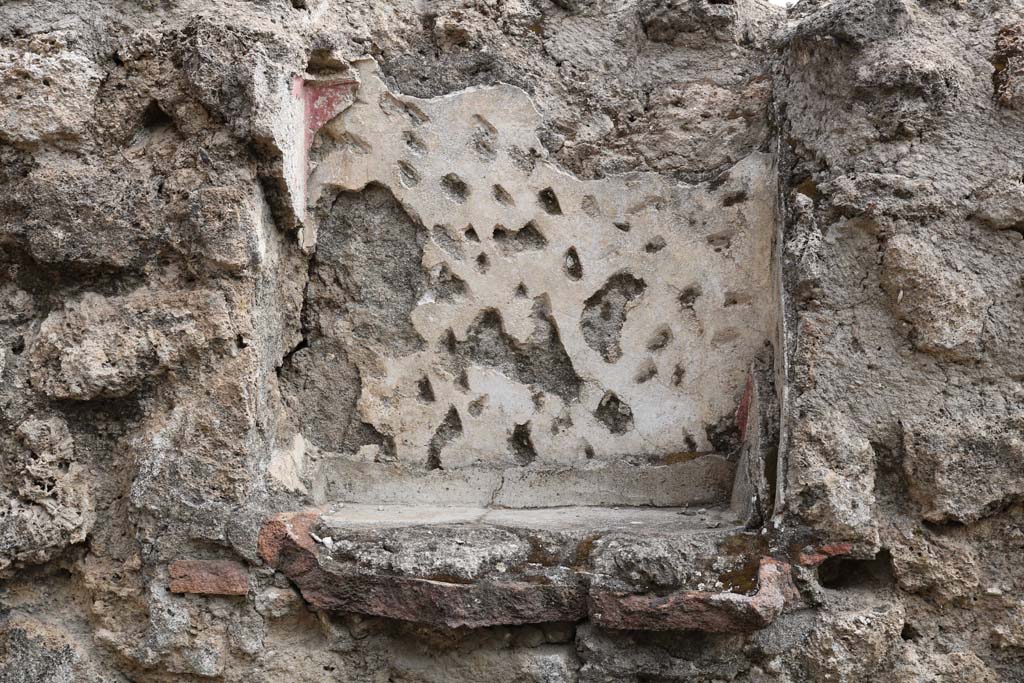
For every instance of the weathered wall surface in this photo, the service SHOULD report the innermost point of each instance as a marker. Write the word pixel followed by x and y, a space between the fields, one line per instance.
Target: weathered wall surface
pixel 257 257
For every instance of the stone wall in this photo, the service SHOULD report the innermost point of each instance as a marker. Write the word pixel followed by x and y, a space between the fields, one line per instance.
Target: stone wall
pixel 519 340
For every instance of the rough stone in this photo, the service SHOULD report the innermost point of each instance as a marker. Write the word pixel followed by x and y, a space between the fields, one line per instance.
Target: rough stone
pixel 836 469
pixel 946 309
pixel 49 89
pixel 102 347
pixel 964 470
pixel 48 503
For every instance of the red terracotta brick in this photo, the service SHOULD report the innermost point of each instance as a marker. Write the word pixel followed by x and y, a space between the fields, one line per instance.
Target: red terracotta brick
pixel 833 549
pixel 285 544
pixel 286 531
pixel 208 577
pixel 698 610
pixel 816 557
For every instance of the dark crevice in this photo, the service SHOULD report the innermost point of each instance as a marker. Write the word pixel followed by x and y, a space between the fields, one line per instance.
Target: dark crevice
pixel 614 414
pixel 449 430
pixel 455 188
pixel 660 339
pixel 573 266
pixel 844 573
pixel 521 445
pixel 502 196
pixel 724 435
pixel 527 238
pixel 909 632
pixel 688 297
pixel 155 118
pixel 425 390
pixel 549 201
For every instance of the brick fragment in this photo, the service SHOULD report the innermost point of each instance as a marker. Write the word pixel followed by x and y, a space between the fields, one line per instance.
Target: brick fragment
pixel 288 531
pixel 208 577
pixel 698 610
pixel 812 558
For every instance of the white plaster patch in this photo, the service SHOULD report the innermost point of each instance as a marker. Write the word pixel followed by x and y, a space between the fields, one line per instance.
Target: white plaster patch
pixel 683 269
pixel 286 465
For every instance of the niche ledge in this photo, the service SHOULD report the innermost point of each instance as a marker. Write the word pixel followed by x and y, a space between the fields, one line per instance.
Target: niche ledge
pixel 626 568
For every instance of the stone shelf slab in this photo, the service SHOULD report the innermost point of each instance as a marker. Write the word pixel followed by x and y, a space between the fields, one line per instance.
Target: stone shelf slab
pixel 630 568
pixel 703 480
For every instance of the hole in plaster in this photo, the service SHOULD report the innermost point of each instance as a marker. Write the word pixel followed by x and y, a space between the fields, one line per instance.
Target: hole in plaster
pixel 736 299
pixel 392 106
pixel 449 343
pixel 521 292
pixel 445 241
pixel 573 267
pixel 527 238
pixel 678 375
pixel 446 285
pixel 410 177
pixel 541 362
pixel 502 196
pixel 646 372
pixel 485 138
pixel 655 245
pixel 549 201
pixel 720 241
pixel 604 314
pixel 425 390
pixel 483 263
pixel 524 160
pixel 476 406
pixel 537 399
pixel 455 188
pixel 660 339
pixel 688 297
pixel 413 142
pixel 521 445
pixel 589 206
pixel 470 234
pixel 449 430
pixel 614 414
pixel 624 227
pixel 734 198
pixel 561 423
